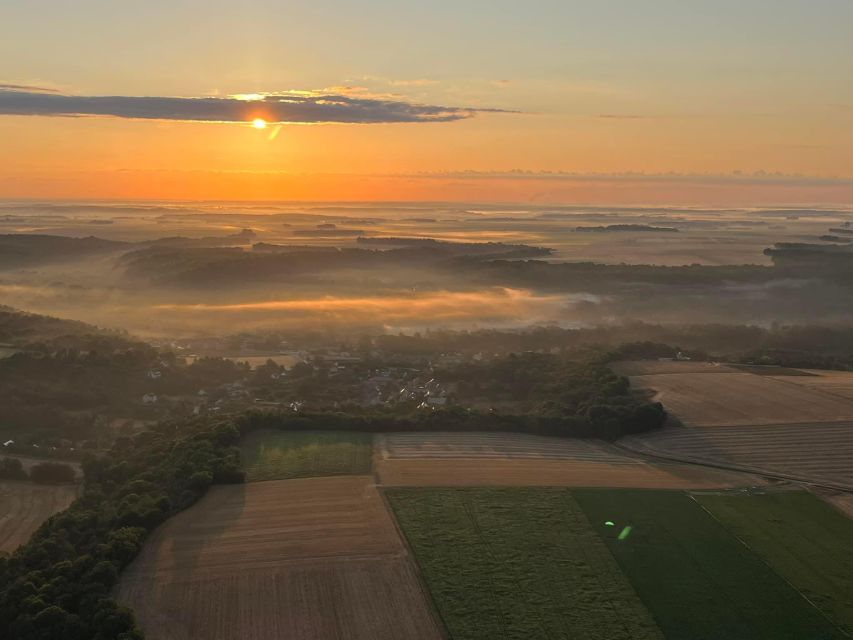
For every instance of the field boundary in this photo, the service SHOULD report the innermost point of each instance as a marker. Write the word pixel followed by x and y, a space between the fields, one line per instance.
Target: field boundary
pixel 410 556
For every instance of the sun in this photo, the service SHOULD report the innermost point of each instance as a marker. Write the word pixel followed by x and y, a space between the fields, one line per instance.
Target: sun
pixel 259 123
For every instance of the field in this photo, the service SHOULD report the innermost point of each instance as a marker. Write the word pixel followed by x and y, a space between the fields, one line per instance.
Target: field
pixel 819 453
pixel 277 455
pixel 838 383
pixel 518 563
pixel 24 506
pixel 740 399
pixel 697 579
pixel 806 541
pixel 483 459
pixel 305 559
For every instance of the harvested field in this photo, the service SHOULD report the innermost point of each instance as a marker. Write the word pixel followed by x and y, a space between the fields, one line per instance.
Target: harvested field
pixel 802 538
pixel 24 506
pixel 839 383
pixel 697 579
pixel 507 459
pixel 278 455
pixel 445 445
pixel 305 559
pixel 555 473
pixel 736 399
pixel 518 564
pixel 651 367
pixel 819 453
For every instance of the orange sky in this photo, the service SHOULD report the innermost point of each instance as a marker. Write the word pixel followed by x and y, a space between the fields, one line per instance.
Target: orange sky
pixel 597 89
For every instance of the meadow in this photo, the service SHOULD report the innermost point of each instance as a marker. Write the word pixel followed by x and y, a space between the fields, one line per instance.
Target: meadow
pixel 278 455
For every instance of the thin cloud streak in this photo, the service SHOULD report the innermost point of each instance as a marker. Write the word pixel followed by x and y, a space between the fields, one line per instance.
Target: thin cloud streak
pixel 285 107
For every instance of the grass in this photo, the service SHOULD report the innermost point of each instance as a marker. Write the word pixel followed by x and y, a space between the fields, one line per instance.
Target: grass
pixel 697 579
pixel 805 540
pixel 517 563
pixel 279 455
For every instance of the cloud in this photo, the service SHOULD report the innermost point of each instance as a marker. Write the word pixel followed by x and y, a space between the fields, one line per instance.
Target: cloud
pixel 626 116
pixel 282 107
pixel 26 87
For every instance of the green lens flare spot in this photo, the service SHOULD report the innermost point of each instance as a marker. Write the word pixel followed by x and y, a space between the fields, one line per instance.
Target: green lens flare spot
pixel 609 523
pixel 625 533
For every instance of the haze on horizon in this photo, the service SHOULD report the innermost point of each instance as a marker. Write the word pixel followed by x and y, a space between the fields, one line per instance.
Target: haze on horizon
pixel 724 103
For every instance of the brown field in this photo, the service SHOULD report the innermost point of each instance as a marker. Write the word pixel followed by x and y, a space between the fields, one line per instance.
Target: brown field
pixel 735 399
pixel 554 473
pixel 651 367
pixel 842 501
pixel 313 558
pixel 839 383
pixel 819 453
pixel 511 459
pixel 24 506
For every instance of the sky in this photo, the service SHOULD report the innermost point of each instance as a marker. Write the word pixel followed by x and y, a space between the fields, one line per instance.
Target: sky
pixel 606 101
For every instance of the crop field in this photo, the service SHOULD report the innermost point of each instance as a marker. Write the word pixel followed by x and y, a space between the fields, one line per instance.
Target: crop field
pixel 738 399
pixel 697 579
pixel 444 445
pixel 506 459
pixel 518 564
pixel 805 540
pixel 554 473
pixel 305 559
pixel 776 449
pixel 838 383
pixel 24 506
pixel 277 455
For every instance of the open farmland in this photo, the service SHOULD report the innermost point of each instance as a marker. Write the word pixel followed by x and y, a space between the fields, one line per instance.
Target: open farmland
pixel 314 558
pixel 518 564
pixel 739 399
pixel 508 459
pixel 839 383
pixel 819 453
pixel 697 579
pixel 805 540
pixel 277 455
pixel 24 506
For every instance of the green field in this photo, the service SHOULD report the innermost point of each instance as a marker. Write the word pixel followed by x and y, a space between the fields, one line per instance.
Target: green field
pixel 805 540
pixel 518 564
pixel 698 580
pixel 278 455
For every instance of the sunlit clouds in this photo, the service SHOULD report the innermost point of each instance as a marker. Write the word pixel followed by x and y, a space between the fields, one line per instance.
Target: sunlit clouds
pixel 278 107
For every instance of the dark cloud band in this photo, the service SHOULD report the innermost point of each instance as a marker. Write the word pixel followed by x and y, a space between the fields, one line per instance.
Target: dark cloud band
pixel 295 108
